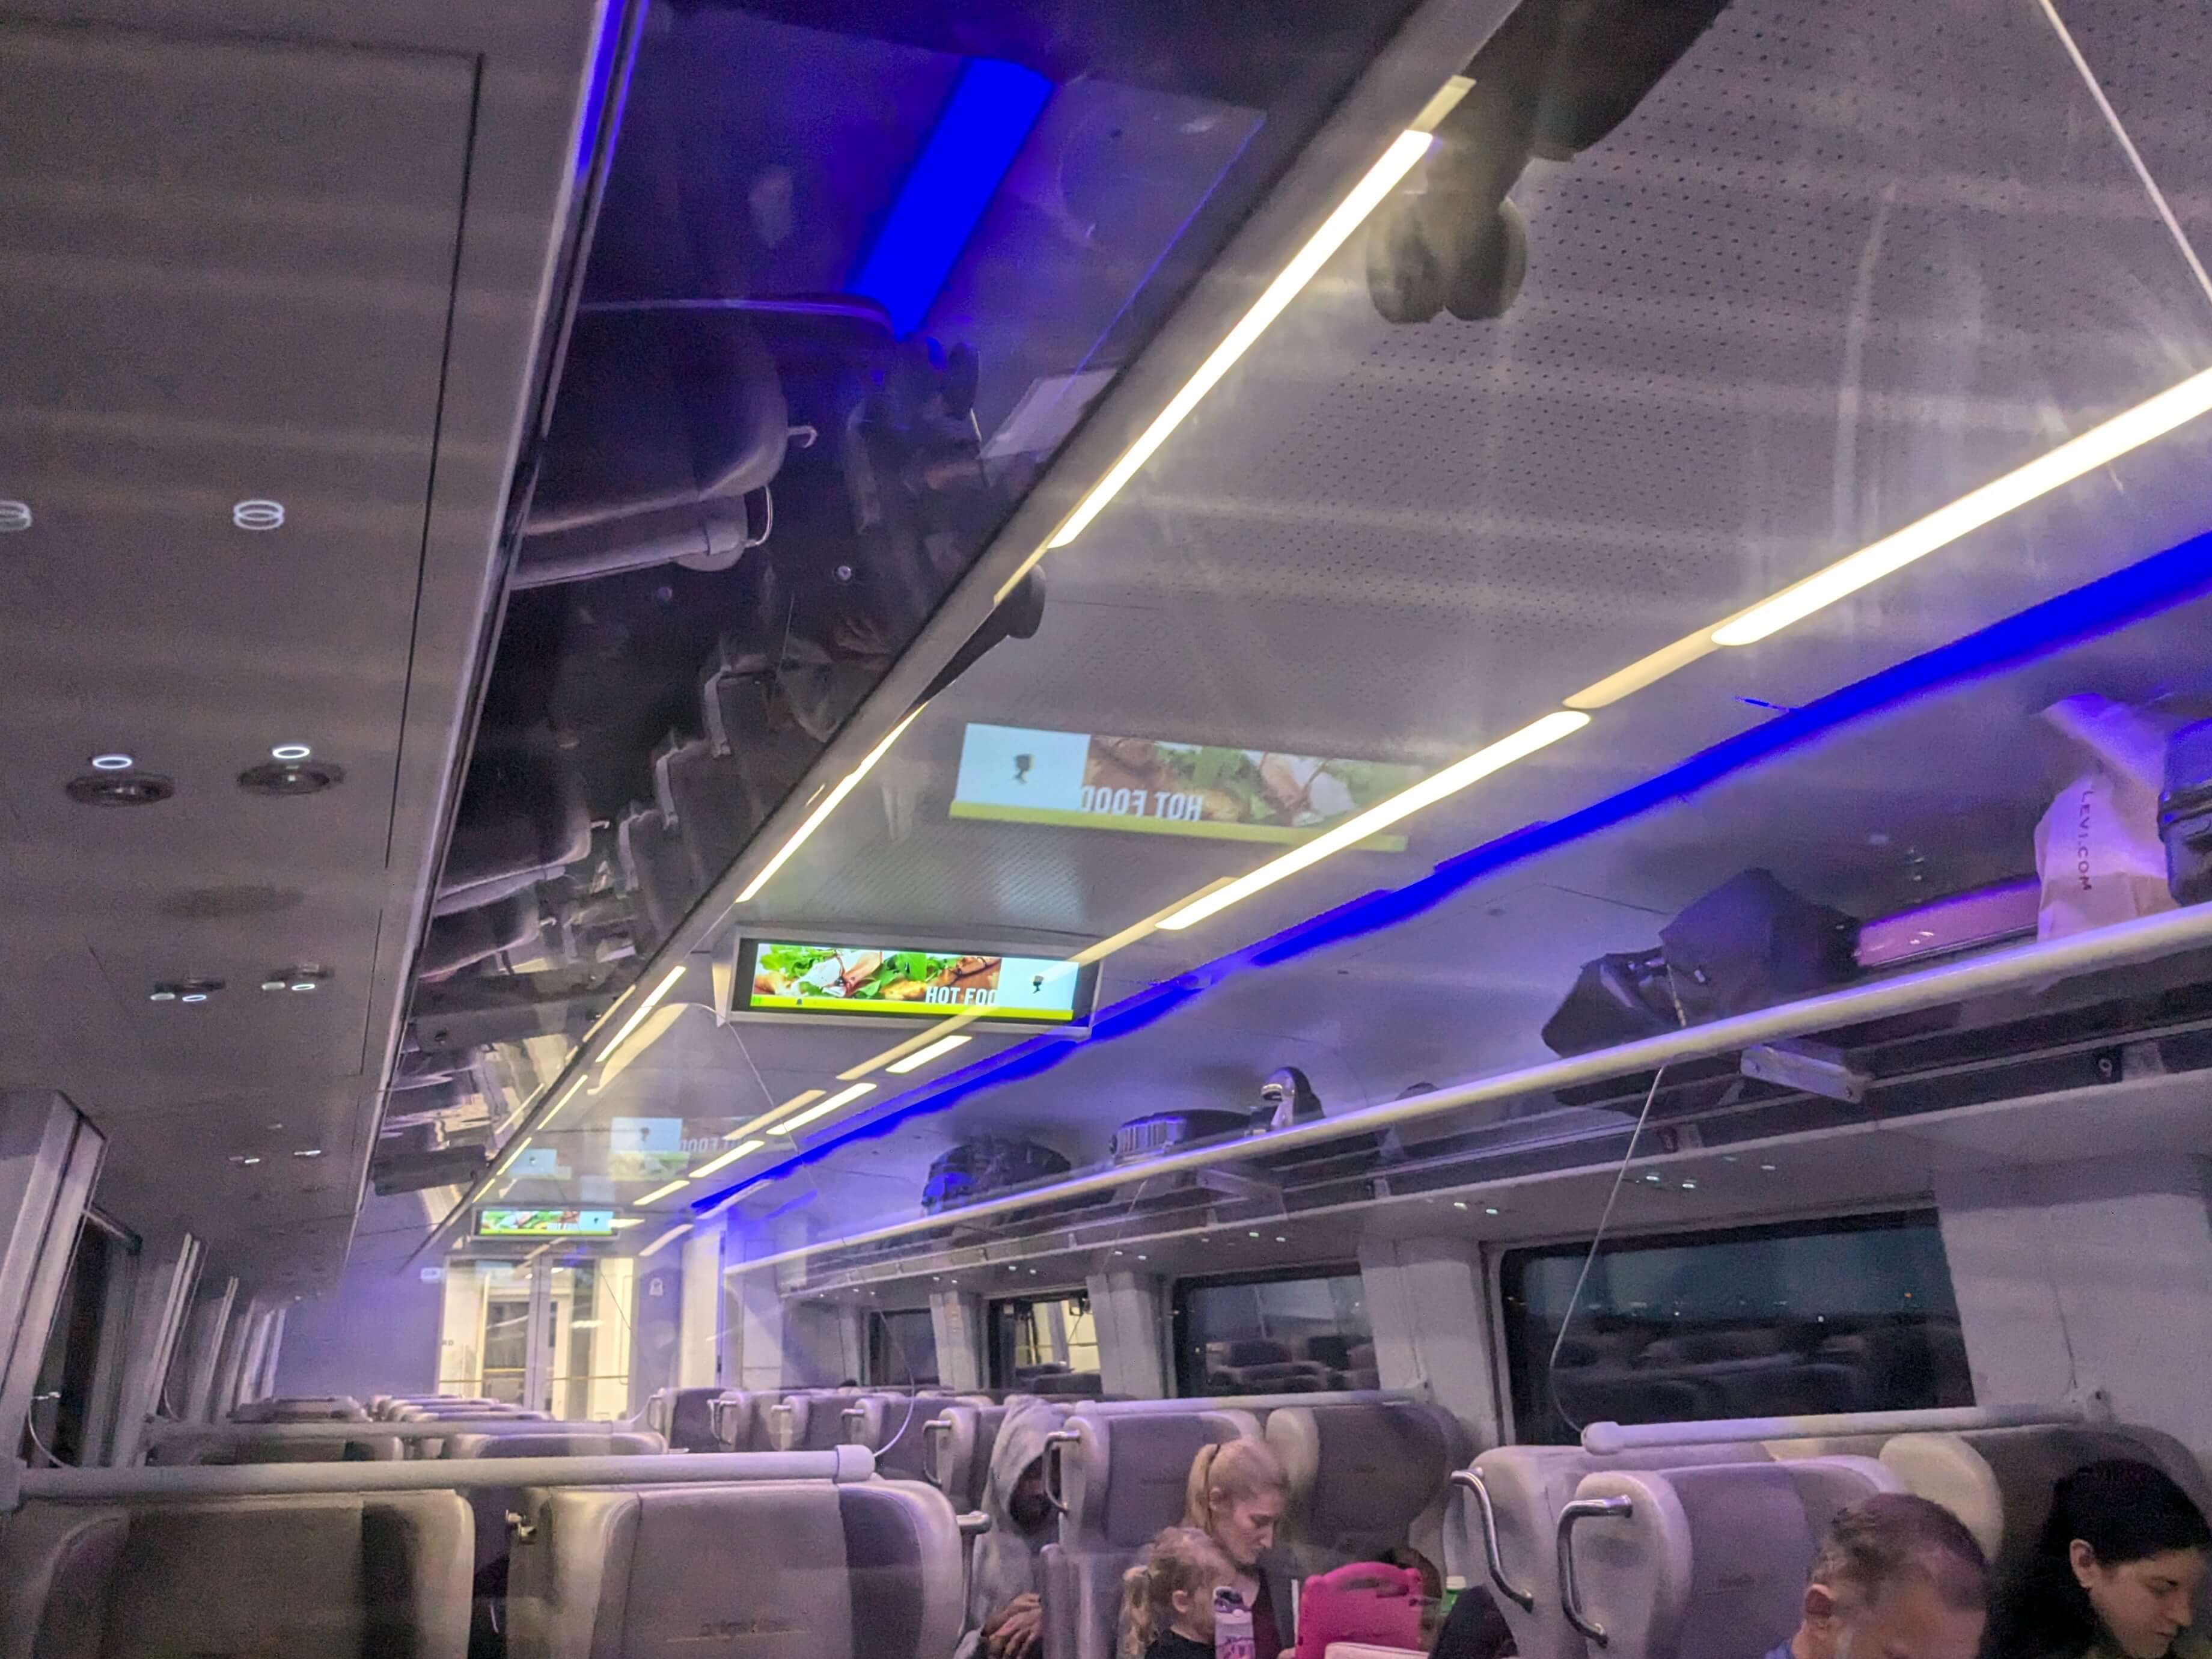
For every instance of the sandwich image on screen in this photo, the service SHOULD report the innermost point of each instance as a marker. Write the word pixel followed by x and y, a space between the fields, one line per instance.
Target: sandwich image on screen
pixel 1018 775
pixel 786 975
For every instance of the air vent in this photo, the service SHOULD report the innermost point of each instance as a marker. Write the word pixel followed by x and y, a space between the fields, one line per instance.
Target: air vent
pixel 120 789
pixel 309 777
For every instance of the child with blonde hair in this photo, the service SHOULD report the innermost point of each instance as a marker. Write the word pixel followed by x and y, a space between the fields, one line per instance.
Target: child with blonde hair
pixel 1167 1598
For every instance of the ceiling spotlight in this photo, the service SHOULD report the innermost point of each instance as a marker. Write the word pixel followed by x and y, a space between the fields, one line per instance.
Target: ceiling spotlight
pixel 245 1160
pixel 161 993
pixel 113 787
pixel 184 990
pixel 303 985
pixel 1458 1204
pixel 290 752
pixel 272 984
pixel 299 777
pixel 115 762
pixel 1490 1209
pixel 193 996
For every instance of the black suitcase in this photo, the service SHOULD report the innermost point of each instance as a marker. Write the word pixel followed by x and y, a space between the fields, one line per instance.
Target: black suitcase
pixel 1751 943
pixel 1617 998
pixel 2184 814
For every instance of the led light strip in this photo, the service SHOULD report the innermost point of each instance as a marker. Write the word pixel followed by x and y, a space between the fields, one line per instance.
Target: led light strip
pixel 659 1192
pixel 830 804
pixel 769 1116
pixel 1381 178
pixel 927 1039
pixel 936 1050
pixel 842 1098
pixel 722 1161
pixel 644 1008
pixel 674 1233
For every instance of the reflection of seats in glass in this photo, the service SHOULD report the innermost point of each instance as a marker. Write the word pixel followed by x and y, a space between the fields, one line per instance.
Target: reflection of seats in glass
pixel 522 818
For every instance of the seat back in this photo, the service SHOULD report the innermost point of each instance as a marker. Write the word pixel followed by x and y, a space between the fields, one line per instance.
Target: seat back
pixel 740 1420
pixel 342 1575
pixel 783 1569
pixel 959 1454
pixel 1528 1486
pixel 1360 1476
pixel 685 1418
pixel 813 1421
pixel 325 1408
pixel 1709 1562
pixel 891 1425
pixel 492 1504
pixel 1121 1481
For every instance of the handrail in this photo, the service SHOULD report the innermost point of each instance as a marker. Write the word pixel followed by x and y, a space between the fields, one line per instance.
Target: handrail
pixel 1570 1599
pixel 844 1466
pixel 934 1431
pixel 1471 1480
pixel 1608 1439
pixel 1053 1443
pixel 443 1428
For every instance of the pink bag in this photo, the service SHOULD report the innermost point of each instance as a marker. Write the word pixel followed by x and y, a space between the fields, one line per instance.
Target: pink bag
pixel 1365 1603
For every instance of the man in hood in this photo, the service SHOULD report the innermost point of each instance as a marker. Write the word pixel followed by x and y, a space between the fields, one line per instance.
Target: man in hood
pixel 1005 1618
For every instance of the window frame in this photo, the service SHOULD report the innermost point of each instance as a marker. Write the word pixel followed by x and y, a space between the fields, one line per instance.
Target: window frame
pixel 1502 1323
pixel 1179 1308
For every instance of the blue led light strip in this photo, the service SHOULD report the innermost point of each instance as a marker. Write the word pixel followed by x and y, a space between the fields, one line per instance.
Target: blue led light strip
pixel 2111 602
pixel 978 133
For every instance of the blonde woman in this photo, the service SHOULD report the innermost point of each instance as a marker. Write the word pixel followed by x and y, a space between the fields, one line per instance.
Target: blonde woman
pixel 1236 1495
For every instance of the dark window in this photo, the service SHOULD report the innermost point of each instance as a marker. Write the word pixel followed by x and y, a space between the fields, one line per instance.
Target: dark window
pixel 901 1348
pixel 1045 1344
pixel 1280 1334
pixel 62 1399
pixel 1851 1315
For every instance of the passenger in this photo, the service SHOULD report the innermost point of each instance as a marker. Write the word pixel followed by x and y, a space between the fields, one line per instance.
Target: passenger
pixel 1167 1598
pixel 1005 1619
pixel 1235 1494
pixel 1473 1629
pixel 1896 1578
pixel 2117 1572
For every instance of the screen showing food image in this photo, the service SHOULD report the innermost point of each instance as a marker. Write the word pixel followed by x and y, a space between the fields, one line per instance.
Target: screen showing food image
pixel 1016 774
pixel 787 976
pixel 545 1223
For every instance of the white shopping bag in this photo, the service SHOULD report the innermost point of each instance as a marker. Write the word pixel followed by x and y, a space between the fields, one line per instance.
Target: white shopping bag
pixel 2097 849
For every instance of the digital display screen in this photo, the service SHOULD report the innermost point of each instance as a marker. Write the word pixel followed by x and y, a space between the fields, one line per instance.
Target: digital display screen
pixel 545 1223
pixel 895 980
pixel 1013 774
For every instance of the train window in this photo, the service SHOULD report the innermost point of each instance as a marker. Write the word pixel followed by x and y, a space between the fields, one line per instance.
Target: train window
pixel 1849 1316
pixel 63 1406
pixel 1297 1333
pixel 1047 1344
pixel 901 1348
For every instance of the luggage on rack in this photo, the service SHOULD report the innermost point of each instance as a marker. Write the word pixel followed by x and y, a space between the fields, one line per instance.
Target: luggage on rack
pixel 1751 943
pixel 2184 814
pixel 1617 998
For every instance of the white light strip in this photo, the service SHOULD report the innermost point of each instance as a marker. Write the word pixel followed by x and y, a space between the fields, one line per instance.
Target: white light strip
pixel 507 1163
pixel 1381 178
pixel 830 804
pixel 645 1008
pixel 2098 446
pixel 900 1050
pixel 620 1223
pixel 842 1098
pixel 921 1057
pixel 672 1233
pixel 724 1160
pixel 773 1113
pixel 1429 791
pixel 566 1095
pixel 659 1192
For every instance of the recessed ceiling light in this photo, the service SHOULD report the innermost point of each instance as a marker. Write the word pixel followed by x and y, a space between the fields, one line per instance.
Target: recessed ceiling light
pixel 1769 1167
pixel 115 762
pixel 192 996
pixel 161 993
pixel 308 1152
pixel 258 512
pixel 303 985
pixel 273 984
pixel 245 1160
pixel 1490 1209
pixel 1458 1204
pixel 290 752
pixel 1689 1186
pixel 107 789
pixel 309 777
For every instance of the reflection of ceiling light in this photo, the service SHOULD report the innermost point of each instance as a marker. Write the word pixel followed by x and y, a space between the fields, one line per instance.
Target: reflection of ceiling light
pixel 1430 790
pixel 675 1232
pixel 290 752
pixel 936 1050
pixel 769 1116
pixel 112 762
pixel 727 1158
pixel 2098 446
pixel 628 1221
pixel 659 1192
pixel 583 1324
pixel 830 802
pixel 644 1008
pixel 842 1098
pixel 900 1050
pixel 1405 150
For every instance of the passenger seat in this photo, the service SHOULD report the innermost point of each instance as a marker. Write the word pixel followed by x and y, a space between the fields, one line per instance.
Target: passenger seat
pixel 1708 1562
pixel 1360 1476
pixel 773 1568
pixel 346 1576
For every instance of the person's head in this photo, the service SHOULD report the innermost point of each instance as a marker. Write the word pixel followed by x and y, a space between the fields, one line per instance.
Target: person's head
pixel 2121 1560
pixel 1173 1588
pixel 1896 1578
pixel 1235 1491
pixel 1027 1504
